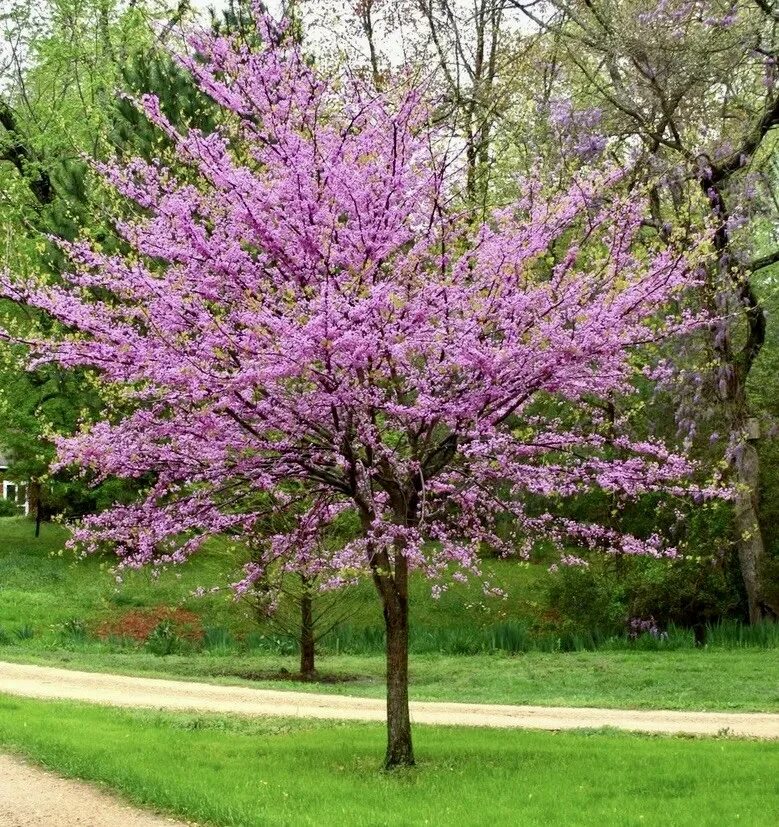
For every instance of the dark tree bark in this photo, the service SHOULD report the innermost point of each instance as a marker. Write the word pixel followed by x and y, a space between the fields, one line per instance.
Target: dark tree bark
pixel 751 548
pixel 307 639
pixel 365 14
pixel 34 497
pixel 390 576
pixel 400 751
pixel 23 159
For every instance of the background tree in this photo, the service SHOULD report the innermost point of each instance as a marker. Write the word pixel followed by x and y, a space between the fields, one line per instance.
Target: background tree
pixel 687 93
pixel 63 64
pixel 304 602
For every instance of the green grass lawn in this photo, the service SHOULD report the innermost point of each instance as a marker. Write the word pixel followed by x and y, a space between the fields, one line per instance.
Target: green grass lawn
pixel 230 771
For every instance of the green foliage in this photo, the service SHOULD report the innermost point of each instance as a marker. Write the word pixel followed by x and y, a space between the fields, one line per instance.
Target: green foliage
pixel 602 598
pixel 62 104
pixel 164 640
pixel 182 103
pixel 8 508
pixel 586 599
pixel 689 591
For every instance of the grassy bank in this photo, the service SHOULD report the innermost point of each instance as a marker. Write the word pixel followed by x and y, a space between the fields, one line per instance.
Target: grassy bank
pixel 464 646
pixel 46 592
pixel 231 772
pixel 50 598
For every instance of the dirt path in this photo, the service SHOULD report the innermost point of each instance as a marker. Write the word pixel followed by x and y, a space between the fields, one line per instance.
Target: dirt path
pixel 119 690
pixel 32 797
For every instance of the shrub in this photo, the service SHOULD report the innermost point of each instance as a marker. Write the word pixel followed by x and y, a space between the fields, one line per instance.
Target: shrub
pixel 163 640
pixel 74 630
pixel 690 591
pixel 585 600
pixel 607 596
pixel 8 508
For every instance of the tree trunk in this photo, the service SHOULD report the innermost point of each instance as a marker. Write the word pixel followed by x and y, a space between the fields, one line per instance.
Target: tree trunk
pixel 400 751
pixel 390 576
pixel 737 363
pixel 307 643
pixel 34 496
pixel 750 538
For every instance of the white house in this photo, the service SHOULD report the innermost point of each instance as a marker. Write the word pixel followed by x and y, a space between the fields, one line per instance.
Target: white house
pixel 13 490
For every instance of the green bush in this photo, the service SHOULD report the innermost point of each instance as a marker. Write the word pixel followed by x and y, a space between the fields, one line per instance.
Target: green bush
pixel 690 591
pixel 163 640
pixel 585 600
pixel 8 508
pixel 612 596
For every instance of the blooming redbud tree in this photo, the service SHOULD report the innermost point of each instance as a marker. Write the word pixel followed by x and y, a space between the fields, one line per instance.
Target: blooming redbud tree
pixel 297 316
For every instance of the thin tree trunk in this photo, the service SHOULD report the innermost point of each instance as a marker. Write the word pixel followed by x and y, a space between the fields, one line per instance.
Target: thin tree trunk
pixel 400 751
pixel 34 503
pixel 307 642
pixel 367 26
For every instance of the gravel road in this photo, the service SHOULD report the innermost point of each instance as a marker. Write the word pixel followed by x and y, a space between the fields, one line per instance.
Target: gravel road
pixel 120 690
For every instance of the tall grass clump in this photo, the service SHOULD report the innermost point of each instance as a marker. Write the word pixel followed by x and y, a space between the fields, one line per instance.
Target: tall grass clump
pixel 516 637
pixel 733 634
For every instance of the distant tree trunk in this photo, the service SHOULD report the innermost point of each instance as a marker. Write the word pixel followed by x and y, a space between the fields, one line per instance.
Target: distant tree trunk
pixel 34 503
pixel 750 537
pixel 745 463
pixel 699 633
pixel 307 640
pixel 365 13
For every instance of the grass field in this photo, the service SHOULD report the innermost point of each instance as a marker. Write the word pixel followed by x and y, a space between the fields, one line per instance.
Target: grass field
pixel 281 772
